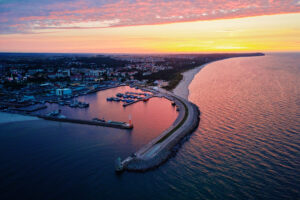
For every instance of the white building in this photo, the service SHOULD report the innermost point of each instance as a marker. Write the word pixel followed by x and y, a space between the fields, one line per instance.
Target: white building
pixel 64 91
pixel 161 83
pixel 65 73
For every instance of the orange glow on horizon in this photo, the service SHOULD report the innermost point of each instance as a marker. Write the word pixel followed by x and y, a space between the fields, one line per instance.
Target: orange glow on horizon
pixel 273 33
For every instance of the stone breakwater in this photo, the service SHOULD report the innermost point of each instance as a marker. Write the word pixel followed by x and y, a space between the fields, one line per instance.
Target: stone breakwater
pixel 160 149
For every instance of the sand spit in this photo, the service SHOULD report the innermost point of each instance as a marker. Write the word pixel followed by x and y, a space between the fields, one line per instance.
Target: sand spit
pixel 182 89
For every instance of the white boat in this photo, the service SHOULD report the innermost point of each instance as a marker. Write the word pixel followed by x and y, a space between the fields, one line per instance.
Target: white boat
pixel 54 113
pixel 118 165
pixel 61 117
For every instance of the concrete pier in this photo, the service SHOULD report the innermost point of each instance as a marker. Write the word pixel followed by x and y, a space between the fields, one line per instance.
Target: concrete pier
pixel 136 101
pixel 27 110
pixel 89 122
pixel 128 104
pixel 159 149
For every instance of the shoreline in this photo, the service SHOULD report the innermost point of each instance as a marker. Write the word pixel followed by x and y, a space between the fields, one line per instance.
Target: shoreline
pixel 182 89
pixel 12 117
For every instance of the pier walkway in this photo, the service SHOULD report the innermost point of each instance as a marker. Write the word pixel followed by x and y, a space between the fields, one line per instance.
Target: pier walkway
pixel 89 122
pixel 159 149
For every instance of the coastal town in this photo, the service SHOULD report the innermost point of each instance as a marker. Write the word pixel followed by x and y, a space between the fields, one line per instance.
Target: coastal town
pixel 27 84
pixel 30 79
pixel 28 88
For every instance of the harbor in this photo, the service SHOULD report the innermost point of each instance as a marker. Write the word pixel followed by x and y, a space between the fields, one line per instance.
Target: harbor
pixel 150 155
pixel 60 96
pixel 95 109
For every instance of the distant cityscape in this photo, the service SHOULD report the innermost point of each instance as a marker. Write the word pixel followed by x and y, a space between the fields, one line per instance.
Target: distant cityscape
pixel 28 79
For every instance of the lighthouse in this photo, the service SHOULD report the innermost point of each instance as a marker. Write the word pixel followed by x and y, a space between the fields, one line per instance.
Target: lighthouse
pixel 130 121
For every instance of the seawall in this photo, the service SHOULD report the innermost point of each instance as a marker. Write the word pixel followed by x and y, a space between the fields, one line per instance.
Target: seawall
pixel 88 122
pixel 160 148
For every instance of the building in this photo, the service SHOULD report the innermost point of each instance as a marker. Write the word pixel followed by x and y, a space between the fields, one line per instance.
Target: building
pixel 28 98
pixel 161 83
pixel 63 74
pixel 64 91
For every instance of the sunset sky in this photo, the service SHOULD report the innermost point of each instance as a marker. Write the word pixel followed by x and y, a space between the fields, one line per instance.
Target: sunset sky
pixel 149 26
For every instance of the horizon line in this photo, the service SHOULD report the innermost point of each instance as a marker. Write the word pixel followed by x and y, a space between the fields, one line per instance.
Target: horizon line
pixel 153 53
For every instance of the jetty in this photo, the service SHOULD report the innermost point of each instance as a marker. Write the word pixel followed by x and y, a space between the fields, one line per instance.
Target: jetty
pixel 29 110
pixel 135 101
pixel 130 103
pixel 113 124
pixel 160 148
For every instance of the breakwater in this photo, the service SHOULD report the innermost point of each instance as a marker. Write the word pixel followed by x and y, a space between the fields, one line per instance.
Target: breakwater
pixel 121 125
pixel 159 149
pixel 29 110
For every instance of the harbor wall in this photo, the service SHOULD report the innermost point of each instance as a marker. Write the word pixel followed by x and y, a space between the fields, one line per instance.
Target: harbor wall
pixel 142 165
pixel 89 122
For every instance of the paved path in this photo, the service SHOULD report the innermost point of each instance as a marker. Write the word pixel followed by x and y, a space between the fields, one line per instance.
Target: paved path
pixel 155 148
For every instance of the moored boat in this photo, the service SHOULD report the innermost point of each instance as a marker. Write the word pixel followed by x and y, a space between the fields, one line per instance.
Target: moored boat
pixel 145 99
pixel 98 120
pixel 118 165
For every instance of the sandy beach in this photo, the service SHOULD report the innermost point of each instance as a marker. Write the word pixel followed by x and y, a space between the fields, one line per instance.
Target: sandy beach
pixel 9 117
pixel 182 89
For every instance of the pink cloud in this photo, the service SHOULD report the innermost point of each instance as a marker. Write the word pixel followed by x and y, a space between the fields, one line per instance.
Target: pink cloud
pixel 140 12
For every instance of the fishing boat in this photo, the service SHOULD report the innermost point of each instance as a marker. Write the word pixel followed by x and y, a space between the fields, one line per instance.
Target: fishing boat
pixel 61 117
pixel 83 105
pixel 118 165
pixel 117 99
pixel 146 99
pixel 54 113
pixel 124 124
pixel 129 101
pixel 98 120
pixel 74 104
pixel 119 95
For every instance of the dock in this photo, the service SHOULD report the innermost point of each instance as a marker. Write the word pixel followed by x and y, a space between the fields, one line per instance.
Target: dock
pixel 130 103
pixel 29 110
pixel 119 125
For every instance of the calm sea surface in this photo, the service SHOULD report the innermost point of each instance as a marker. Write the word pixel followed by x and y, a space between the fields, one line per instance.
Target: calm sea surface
pixel 247 145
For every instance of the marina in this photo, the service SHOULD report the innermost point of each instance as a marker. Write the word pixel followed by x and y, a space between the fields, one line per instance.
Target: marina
pixel 67 110
pixel 155 152
pixel 127 98
pixel 130 98
pixel 30 103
